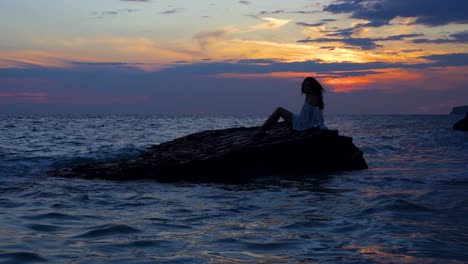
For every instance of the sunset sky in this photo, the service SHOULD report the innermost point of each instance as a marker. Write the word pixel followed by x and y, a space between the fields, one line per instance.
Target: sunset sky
pixel 231 56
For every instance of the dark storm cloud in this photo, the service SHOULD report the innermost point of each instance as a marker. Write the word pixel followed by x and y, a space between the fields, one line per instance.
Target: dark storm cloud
pixel 381 12
pixel 363 43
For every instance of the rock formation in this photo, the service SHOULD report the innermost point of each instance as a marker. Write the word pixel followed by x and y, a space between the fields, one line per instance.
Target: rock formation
pixel 459 110
pixel 232 155
pixel 462 125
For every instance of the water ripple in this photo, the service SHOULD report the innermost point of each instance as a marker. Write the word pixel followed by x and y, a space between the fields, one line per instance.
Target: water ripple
pixel 410 207
pixel 110 230
pixel 21 257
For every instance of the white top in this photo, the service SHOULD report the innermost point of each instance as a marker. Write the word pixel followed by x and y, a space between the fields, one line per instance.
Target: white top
pixel 310 116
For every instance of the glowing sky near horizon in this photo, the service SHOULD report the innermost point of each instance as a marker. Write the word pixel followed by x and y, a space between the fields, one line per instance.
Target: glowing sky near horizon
pixel 232 56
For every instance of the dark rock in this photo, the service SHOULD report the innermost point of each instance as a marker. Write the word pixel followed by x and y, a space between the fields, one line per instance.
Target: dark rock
pixel 459 110
pixel 462 125
pixel 231 155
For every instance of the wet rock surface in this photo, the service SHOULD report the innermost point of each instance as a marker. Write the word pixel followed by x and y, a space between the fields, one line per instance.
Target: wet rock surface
pixel 462 125
pixel 231 155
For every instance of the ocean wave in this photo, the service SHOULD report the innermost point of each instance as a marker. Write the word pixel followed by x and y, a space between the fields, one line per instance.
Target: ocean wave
pixel 109 230
pixel 53 215
pixel 17 164
pixel 21 257
pixel 43 228
pixel 410 206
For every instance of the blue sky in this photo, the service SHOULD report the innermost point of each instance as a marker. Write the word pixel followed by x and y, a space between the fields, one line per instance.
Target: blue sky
pixel 232 57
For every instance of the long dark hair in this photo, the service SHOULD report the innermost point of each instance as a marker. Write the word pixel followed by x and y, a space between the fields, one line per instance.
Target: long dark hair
pixel 317 90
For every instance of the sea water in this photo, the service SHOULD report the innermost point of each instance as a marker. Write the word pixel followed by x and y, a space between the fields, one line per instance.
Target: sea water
pixel 410 206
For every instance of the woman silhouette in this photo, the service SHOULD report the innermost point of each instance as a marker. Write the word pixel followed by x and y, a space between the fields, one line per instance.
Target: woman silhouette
pixel 311 114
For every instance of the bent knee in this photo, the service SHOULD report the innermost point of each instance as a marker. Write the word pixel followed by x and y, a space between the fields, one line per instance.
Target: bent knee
pixel 280 110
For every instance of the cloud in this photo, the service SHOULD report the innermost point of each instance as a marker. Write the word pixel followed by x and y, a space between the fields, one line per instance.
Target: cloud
pixel 460 37
pixel 236 87
pixel 411 50
pixel 109 13
pixel 272 23
pixel 257 61
pixel 141 53
pixel 205 37
pixel 282 11
pixel 244 2
pixel 170 11
pixel 391 80
pixel 304 24
pixel 328 47
pixel 137 1
pixel 33 59
pixel 23 97
pixel 219 45
pixel 338 69
pixel 363 43
pixel 321 23
pixel 381 12
pixel 453 59
pixel 114 13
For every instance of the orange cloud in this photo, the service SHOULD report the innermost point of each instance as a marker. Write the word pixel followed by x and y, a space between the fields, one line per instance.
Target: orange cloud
pixel 26 58
pixel 141 53
pixel 339 84
pixel 383 78
pixel 391 79
pixel 279 75
pixel 152 55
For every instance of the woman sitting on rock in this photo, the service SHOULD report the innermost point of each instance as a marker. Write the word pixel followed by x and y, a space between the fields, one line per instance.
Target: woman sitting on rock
pixel 311 114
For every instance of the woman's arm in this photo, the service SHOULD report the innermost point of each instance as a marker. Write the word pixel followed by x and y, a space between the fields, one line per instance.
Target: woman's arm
pixel 319 118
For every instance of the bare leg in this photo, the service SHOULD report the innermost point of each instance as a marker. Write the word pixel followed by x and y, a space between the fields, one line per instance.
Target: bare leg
pixel 275 116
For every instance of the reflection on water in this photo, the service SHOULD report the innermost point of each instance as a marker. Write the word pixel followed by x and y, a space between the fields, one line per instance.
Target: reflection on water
pixel 409 207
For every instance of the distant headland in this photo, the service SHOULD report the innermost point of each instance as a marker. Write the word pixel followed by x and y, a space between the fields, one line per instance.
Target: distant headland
pixel 459 110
